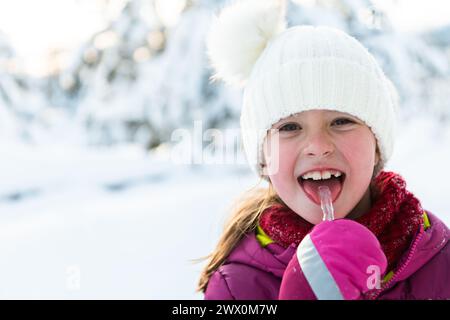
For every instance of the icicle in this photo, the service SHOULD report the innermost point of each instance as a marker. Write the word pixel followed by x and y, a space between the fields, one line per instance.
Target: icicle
pixel 326 203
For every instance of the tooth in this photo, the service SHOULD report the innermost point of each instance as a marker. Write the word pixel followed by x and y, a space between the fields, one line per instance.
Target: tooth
pixel 326 175
pixel 306 175
pixel 316 175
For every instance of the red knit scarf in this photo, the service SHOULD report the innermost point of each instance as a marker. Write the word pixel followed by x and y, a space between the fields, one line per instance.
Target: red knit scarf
pixel 394 218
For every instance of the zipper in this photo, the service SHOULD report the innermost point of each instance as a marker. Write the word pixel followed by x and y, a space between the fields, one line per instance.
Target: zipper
pixel 386 286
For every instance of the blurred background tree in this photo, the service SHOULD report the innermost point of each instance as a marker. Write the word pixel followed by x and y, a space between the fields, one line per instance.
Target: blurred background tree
pixel 147 73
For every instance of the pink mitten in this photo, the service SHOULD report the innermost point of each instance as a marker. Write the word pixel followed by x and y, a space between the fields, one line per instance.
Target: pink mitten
pixel 337 260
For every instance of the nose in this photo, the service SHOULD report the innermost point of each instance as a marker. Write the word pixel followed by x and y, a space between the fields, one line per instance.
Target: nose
pixel 318 145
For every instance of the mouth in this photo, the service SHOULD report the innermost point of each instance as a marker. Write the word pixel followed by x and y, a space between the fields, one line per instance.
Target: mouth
pixel 311 186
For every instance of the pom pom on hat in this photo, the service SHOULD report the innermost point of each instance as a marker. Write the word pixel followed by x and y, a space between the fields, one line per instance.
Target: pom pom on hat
pixel 239 34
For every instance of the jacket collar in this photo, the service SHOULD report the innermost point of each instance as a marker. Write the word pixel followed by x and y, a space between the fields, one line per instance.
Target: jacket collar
pixel 274 258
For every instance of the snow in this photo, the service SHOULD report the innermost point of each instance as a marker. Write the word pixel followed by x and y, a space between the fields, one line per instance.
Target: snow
pixel 421 154
pixel 128 222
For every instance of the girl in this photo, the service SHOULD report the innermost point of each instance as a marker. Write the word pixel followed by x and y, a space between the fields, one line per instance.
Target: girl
pixel 317 112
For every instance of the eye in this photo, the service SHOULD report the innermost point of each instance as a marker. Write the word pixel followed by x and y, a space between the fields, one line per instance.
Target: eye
pixel 342 121
pixel 289 127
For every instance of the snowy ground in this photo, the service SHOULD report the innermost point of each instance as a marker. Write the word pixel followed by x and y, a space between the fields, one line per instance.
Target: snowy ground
pixel 117 223
pixel 107 223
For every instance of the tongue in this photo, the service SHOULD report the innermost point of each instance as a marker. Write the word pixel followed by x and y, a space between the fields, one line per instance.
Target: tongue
pixel 311 187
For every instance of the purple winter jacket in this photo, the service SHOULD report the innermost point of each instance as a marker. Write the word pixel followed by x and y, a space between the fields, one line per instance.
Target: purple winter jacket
pixel 255 272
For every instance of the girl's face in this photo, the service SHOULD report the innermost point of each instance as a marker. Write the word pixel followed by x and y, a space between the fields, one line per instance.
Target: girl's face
pixel 321 141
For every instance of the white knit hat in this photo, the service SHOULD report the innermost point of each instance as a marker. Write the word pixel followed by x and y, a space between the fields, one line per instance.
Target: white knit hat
pixel 286 71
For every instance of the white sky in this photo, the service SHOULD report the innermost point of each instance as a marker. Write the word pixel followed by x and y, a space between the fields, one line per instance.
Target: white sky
pixel 35 27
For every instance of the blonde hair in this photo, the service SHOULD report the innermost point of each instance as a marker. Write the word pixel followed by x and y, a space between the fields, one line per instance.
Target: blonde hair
pixel 244 218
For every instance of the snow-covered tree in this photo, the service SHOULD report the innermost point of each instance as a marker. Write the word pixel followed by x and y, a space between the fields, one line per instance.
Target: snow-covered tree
pixel 140 79
pixel 19 103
